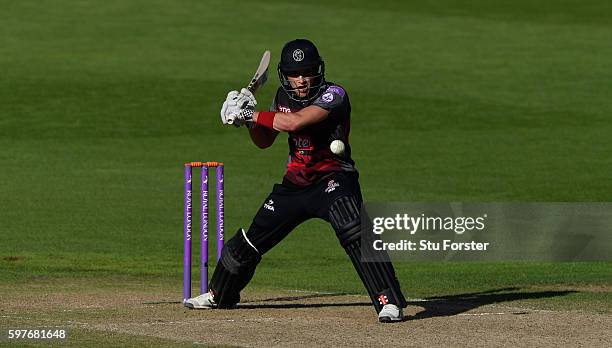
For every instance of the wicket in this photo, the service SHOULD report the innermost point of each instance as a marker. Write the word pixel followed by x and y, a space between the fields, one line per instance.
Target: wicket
pixel 203 224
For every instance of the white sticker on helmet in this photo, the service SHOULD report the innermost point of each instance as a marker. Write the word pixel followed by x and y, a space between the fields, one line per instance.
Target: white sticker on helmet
pixel 298 55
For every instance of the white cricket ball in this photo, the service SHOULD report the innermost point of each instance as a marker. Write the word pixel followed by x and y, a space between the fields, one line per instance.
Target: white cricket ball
pixel 337 147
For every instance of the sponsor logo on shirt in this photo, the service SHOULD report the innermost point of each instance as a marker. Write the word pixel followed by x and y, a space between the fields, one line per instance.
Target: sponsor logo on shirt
pixel 327 97
pixel 336 89
pixel 302 142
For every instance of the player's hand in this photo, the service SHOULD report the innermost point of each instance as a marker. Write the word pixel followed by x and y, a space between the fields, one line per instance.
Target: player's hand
pixel 247 97
pixel 229 113
pixel 247 103
pixel 230 109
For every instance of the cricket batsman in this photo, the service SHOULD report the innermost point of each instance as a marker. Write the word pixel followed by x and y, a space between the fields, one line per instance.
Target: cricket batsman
pixel 320 181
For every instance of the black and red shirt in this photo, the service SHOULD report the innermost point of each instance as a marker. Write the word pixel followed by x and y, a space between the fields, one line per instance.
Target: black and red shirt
pixel 310 157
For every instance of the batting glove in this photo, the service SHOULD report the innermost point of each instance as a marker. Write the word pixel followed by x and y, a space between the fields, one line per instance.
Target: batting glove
pixel 248 97
pixel 247 103
pixel 230 109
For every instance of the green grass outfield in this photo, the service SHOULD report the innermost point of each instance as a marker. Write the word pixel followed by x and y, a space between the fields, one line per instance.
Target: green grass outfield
pixel 102 102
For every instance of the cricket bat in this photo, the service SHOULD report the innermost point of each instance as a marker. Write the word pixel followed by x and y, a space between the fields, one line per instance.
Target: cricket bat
pixel 260 77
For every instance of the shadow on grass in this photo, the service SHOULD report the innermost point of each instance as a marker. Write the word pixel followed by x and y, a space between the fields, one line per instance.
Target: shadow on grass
pixel 437 306
pixel 259 305
pixel 443 306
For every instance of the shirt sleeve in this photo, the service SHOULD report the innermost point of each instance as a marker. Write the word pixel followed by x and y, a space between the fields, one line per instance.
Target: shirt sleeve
pixel 333 97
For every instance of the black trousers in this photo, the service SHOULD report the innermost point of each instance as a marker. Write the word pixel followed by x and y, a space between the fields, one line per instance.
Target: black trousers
pixel 288 206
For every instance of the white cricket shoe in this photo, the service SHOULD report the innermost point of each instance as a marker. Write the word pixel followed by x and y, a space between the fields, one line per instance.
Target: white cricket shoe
pixel 201 302
pixel 390 313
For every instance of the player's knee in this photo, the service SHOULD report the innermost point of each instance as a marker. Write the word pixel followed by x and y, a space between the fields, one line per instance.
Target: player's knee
pixel 239 254
pixel 344 216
